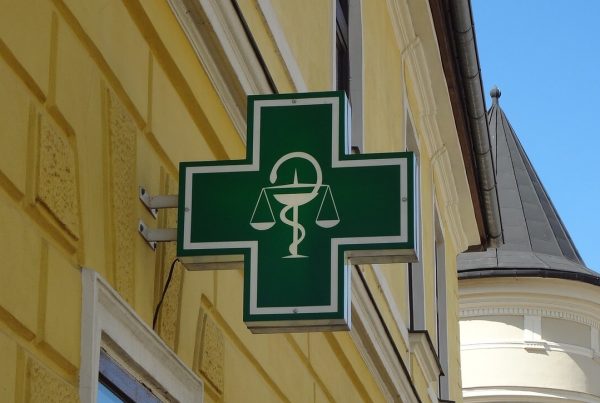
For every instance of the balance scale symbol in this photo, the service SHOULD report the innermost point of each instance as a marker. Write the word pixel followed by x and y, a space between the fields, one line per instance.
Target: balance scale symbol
pixel 263 218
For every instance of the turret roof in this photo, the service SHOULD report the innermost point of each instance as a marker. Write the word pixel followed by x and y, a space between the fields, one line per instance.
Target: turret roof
pixel 536 242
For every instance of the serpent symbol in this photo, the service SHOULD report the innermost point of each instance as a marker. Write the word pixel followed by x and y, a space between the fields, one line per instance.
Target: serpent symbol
pixel 263 218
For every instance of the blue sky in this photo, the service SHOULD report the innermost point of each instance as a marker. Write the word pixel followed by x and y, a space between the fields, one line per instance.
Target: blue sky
pixel 545 58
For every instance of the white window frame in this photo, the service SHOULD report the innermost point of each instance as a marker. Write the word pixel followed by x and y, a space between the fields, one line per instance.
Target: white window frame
pixel 355 47
pixel 106 317
pixel 355 50
pixel 441 304
pixel 417 273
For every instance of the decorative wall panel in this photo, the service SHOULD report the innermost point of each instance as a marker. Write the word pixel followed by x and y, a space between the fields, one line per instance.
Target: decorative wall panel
pixel 43 386
pixel 170 311
pixel 57 182
pixel 122 151
pixel 209 354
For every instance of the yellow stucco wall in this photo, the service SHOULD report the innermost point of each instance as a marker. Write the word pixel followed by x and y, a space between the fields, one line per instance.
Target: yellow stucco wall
pixel 99 97
pixel 304 23
pixel 383 89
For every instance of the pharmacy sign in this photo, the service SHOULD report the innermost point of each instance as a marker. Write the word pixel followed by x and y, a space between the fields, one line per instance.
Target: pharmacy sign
pixel 297 212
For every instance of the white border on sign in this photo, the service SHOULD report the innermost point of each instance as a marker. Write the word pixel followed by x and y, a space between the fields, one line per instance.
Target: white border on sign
pixel 335 242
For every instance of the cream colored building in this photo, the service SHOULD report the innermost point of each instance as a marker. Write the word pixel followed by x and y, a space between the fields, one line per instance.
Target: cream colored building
pixel 100 97
pixel 530 309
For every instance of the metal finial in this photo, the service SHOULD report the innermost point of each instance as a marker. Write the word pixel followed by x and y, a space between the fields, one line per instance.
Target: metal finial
pixel 495 94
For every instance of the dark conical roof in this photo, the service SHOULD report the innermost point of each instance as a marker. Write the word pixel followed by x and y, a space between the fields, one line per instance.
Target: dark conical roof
pixel 536 242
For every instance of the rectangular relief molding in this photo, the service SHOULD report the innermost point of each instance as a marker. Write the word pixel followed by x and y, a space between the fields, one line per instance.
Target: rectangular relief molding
pixel 209 352
pixel 44 385
pixel 55 187
pixel 57 181
pixel 170 312
pixel 595 343
pixel 121 150
pixel 532 333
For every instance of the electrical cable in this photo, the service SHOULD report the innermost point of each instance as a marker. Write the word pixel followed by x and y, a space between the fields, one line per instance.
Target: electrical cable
pixel 162 297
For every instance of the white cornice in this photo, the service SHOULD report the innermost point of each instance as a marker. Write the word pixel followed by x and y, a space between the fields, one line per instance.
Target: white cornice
pixel 373 343
pixel 448 196
pixel 224 51
pixel 521 310
pixel 387 293
pixel 401 22
pixel 555 298
pixel 287 56
pixel 413 56
pixel 421 348
pixel 434 145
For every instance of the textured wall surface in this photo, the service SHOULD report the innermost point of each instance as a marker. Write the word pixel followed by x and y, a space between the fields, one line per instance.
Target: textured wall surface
pixel 122 137
pixel 57 181
pixel 100 97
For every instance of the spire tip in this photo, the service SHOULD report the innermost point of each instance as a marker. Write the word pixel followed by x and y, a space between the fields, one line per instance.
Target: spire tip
pixel 495 94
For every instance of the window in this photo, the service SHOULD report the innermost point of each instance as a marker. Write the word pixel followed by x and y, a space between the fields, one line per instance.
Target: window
pixel 442 309
pixel 348 62
pixel 416 273
pixel 342 47
pixel 122 359
pixel 116 384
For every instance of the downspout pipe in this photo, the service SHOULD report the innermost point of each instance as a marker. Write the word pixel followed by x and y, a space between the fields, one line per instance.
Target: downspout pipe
pixel 468 61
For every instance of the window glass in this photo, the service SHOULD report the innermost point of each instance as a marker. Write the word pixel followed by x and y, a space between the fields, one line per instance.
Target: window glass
pixel 342 48
pixel 132 363
pixel 349 63
pixel 105 395
pixel 116 384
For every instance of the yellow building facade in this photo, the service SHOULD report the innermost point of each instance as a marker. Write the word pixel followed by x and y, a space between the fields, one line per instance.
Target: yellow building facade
pixel 100 97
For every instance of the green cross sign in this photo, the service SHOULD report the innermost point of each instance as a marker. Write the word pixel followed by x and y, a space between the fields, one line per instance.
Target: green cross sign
pixel 297 212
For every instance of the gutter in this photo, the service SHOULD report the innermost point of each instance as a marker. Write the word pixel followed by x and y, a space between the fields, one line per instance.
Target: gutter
pixel 455 34
pixel 468 60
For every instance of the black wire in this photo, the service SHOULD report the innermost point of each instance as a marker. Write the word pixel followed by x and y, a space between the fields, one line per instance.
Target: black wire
pixel 162 297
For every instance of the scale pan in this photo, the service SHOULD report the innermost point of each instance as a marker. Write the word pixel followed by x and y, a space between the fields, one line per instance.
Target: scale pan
pixel 261 226
pixel 327 223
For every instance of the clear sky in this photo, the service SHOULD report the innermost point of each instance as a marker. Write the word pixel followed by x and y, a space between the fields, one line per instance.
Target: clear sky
pixel 544 55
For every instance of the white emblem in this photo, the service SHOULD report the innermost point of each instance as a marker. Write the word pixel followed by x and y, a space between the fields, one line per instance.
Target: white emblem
pixel 292 201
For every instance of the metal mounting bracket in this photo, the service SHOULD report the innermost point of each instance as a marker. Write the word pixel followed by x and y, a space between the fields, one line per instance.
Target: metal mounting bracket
pixel 153 203
pixel 152 235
